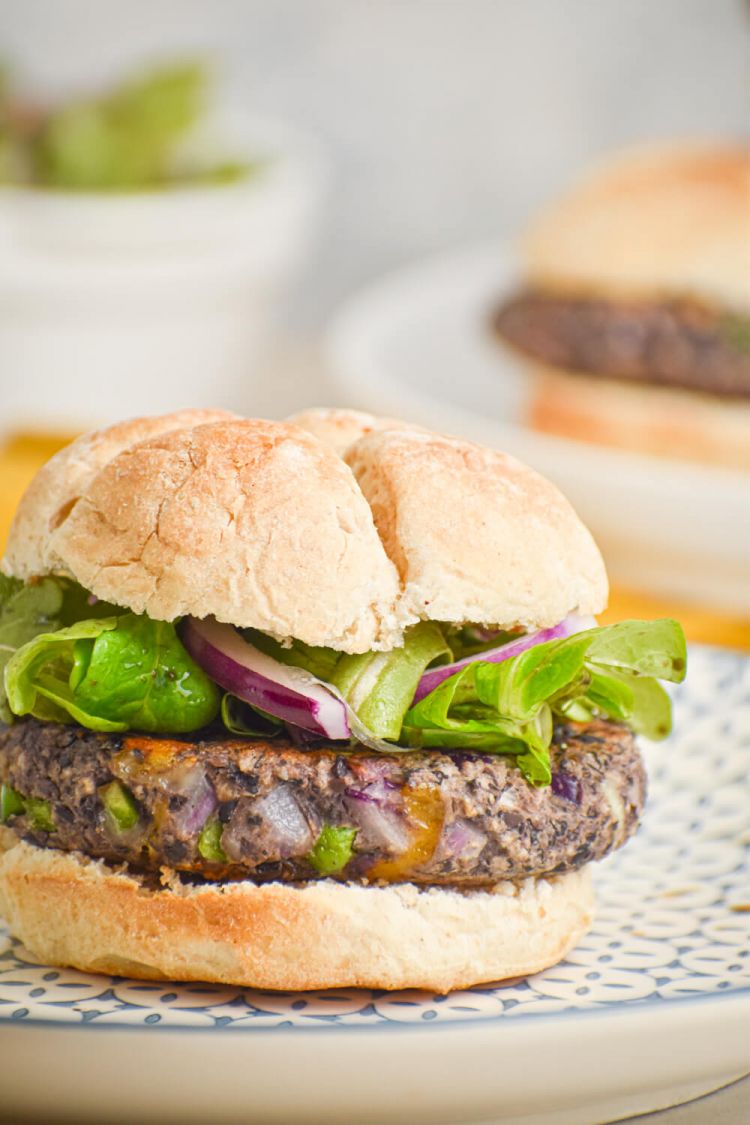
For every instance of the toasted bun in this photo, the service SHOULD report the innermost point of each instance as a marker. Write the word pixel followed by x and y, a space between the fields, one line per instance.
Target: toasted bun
pixel 660 221
pixel 665 422
pixel 68 910
pixel 476 535
pixel 59 483
pixel 263 524
pixel 341 428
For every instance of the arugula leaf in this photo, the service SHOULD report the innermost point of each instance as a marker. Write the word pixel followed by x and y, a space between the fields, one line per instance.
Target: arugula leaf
pixel 110 675
pixel 509 708
pixel 332 850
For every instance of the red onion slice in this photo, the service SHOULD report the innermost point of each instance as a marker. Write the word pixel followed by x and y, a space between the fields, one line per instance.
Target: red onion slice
pixel 435 676
pixel 290 694
pixel 200 801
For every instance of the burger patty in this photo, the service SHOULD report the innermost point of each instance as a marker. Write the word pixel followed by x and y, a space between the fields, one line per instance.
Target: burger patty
pixel 680 343
pixel 423 817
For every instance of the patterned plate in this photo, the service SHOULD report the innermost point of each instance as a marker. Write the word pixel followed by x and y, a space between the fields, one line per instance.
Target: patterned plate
pixel 673 922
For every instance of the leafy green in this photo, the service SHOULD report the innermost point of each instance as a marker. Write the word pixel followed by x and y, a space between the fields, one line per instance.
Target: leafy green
pixel 110 675
pixel 39 607
pixel 123 140
pixel 469 640
pixel 509 708
pixel 24 612
pixel 240 718
pixel 332 850
pixel 379 686
pixel 128 138
pixel 80 605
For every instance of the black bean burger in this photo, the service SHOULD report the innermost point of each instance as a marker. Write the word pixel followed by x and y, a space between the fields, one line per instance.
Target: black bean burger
pixel 634 308
pixel 310 704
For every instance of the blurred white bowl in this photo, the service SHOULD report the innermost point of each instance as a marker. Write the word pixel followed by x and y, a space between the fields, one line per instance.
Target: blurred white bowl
pixel 118 304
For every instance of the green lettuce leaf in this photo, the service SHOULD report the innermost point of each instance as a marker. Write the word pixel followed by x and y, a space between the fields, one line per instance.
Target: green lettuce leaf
pixel 379 686
pixel 39 607
pixel 24 612
pixel 242 719
pixel 112 674
pixel 509 708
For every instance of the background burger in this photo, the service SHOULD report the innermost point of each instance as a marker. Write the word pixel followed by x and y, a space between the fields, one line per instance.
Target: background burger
pixel 635 307
pixel 309 704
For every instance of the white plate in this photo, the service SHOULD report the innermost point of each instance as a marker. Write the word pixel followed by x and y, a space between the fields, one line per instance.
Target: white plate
pixel 418 344
pixel 651 1009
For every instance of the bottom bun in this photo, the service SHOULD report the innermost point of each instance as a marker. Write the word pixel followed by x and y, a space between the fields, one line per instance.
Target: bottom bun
pixel 69 910
pixel 664 421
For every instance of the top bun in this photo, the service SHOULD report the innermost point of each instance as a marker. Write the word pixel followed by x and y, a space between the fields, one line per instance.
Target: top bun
pixel 341 428
pixel 657 221
pixel 58 484
pixel 263 525
pixel 476 535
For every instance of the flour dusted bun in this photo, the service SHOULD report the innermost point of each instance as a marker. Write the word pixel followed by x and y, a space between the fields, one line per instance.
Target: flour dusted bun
pixel 662 221
pixel 661 421
pixel 60 482
pixel 341 428
pixel 68 910
pixel 476 535
pixel 257 523
pixel 263 524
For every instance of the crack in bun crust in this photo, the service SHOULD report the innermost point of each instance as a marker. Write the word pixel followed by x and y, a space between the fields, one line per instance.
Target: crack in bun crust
pixel 58 484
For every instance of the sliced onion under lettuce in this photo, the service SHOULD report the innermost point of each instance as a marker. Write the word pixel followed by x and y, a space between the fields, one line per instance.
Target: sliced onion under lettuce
pixel 503 701
pixel 572 624
pixel 366 699
pixel 289 693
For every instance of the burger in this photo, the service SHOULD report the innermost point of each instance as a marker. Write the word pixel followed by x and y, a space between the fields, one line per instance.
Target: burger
pixel 634 313
pixel 311 703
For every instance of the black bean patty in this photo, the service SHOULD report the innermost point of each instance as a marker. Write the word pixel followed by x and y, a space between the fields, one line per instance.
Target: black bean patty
pixel 229 808
pixel 679 343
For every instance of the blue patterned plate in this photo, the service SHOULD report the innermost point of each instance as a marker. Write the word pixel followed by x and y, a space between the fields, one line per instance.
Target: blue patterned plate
pixel 669 955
